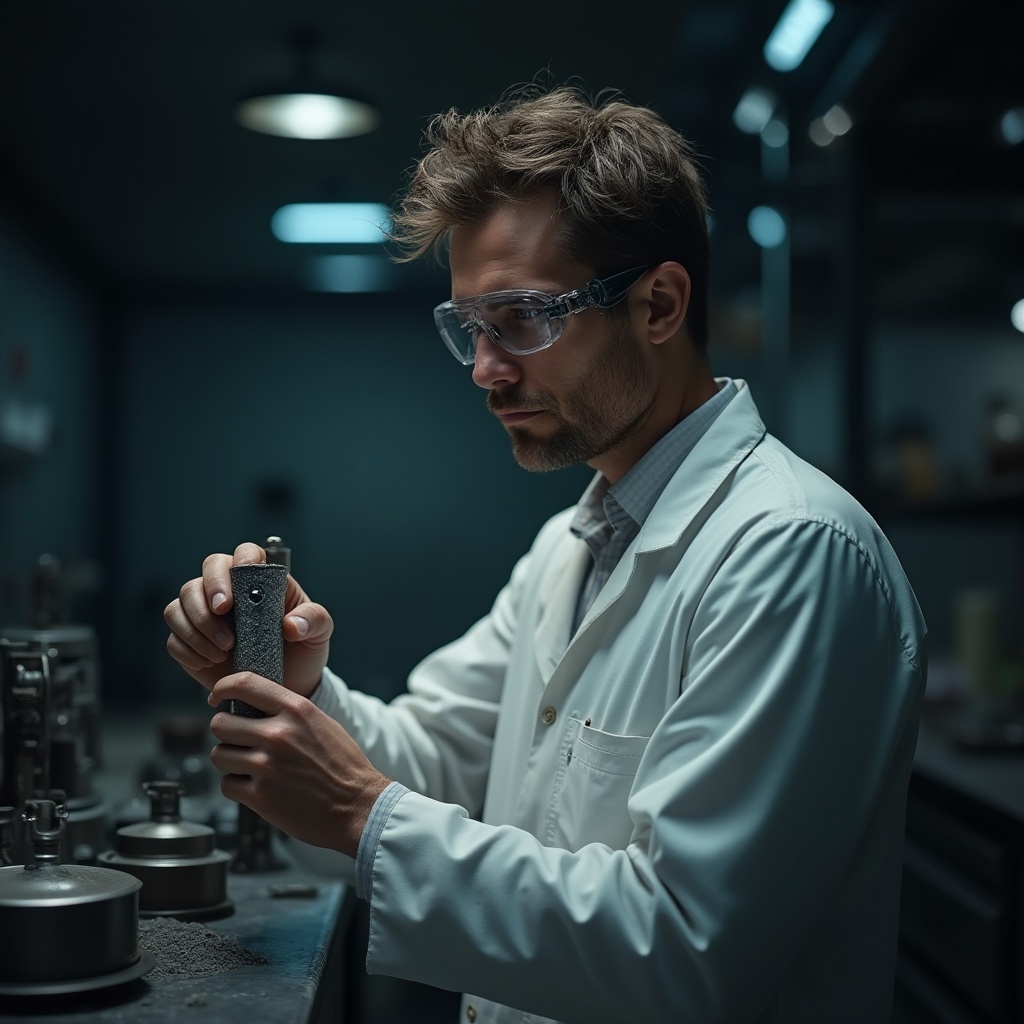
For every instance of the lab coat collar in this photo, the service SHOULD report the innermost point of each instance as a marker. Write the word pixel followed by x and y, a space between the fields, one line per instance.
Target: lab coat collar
pixel 727 442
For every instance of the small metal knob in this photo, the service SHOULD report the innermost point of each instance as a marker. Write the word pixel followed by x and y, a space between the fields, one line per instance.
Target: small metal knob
pixel 164 800
pixel 45 819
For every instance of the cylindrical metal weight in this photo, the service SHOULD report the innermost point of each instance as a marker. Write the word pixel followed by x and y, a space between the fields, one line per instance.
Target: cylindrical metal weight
pixel 195 891
pixel 66 923
pixel 182 873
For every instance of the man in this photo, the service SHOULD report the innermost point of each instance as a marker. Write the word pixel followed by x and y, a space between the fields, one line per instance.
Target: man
pixel 664 779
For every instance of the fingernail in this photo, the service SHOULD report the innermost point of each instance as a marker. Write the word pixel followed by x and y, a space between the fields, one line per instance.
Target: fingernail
pixel 301 625
pixel 209 700
pixel 224 640
pixel 218 601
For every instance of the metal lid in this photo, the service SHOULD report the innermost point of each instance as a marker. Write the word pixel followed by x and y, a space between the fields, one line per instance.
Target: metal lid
pixel 62 885
pixel 165 834
pixel 44 881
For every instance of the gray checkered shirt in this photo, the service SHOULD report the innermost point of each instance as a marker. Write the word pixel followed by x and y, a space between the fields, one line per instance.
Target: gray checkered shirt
pixel 608 518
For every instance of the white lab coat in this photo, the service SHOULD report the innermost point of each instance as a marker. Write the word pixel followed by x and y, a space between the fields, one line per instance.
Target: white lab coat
pixel 690 811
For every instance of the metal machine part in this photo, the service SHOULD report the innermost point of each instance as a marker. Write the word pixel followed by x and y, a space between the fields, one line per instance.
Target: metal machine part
pixel 65 928
pixel 278 553
pixel 50 719
pixel 182 756
pixel 183 875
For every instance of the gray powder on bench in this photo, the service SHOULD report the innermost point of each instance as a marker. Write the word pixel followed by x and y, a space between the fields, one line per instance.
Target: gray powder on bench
pixel 187 949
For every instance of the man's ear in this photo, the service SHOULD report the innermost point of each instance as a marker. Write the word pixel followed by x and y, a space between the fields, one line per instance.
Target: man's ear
pixel 668 298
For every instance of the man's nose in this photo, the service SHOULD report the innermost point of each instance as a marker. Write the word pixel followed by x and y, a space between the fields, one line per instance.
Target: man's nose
pixel 494 367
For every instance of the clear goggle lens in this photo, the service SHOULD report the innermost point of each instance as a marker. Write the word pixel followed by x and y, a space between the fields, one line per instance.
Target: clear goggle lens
pixel 524 321
pixel 517 321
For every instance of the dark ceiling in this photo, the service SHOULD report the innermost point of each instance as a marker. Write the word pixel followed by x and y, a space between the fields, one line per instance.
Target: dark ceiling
pixel 117 143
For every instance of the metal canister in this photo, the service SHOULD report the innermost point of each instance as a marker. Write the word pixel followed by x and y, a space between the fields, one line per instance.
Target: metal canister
pixel 65 927
pixel 183 875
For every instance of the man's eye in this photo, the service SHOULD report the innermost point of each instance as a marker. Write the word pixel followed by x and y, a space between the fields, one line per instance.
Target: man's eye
pixel 525 312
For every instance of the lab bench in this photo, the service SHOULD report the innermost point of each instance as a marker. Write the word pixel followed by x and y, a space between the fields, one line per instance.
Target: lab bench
pixel 961 951
pixel 295 919
pixel 300 933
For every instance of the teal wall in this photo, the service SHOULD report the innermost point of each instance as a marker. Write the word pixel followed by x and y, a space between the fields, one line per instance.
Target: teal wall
pixel 355 436
pixel 49 354
pixel 342 423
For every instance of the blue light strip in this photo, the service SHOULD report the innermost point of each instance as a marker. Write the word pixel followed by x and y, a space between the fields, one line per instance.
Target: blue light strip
pixel 796 32
pixel 331 223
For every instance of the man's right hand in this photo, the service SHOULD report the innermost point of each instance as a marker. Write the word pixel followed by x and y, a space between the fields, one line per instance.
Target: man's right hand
pixel 201 637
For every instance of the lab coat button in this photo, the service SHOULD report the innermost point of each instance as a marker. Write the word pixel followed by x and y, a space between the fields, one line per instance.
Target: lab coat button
pixel 548 715
pixel 471 1013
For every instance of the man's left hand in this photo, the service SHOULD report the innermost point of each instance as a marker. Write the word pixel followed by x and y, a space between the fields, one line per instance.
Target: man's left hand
pixel 297 768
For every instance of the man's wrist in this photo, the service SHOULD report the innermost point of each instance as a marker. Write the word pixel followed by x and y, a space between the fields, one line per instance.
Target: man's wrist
pixel 356 824
pixel 373 827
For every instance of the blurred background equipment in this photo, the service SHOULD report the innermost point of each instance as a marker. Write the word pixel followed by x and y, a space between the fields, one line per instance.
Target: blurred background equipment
pixel 50 703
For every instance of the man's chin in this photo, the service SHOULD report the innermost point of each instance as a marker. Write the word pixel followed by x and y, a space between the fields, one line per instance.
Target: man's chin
pixel 541 455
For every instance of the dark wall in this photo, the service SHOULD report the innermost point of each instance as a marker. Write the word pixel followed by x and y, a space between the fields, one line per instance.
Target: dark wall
pixel 49 366
pixel 343 424
pixel 352 434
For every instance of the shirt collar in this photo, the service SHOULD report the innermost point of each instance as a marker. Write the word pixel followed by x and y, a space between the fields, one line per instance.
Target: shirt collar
pixel 628 504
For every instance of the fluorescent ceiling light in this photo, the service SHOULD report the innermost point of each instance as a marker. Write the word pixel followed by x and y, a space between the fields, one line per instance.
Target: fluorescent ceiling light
pixel 331 223
pixel 796 32
pixel 754 110
pixel 350 273
pixel 307 115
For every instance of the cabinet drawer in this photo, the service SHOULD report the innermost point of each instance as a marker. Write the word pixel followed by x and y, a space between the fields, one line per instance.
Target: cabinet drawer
pixel 957 925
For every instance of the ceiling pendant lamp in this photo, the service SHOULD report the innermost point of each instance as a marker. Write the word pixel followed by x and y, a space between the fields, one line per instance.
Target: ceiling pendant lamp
pixel 305 107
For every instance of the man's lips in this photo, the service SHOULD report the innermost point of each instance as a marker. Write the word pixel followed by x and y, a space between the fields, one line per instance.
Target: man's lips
pixel 512 416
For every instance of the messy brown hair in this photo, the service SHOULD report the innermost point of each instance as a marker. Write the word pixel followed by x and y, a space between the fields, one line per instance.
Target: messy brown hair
pixel 628 184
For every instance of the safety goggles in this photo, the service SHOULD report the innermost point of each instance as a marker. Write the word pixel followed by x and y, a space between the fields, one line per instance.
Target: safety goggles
pixel 524 321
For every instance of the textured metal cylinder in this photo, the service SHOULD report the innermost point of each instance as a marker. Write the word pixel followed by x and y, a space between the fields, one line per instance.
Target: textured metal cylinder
pixel 259 592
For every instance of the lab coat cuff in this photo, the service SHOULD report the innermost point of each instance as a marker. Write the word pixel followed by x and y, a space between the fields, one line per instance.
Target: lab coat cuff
pixel 326 696
pixel 369 840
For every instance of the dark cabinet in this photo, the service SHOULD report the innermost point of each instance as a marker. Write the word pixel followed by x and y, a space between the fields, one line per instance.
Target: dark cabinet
pixel 961 952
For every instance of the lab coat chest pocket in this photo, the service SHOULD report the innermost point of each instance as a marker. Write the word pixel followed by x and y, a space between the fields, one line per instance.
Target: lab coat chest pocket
pixel 590 805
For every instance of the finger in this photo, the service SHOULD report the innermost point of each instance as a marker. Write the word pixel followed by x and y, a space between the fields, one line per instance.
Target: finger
pixel 238 788
pixel 257 691
pixel 307 621
pixel 233 759
pixel 235 730
pixel 294 595
pixel 190 618
pixel 248 553
pixel 217 582
pixel 189 658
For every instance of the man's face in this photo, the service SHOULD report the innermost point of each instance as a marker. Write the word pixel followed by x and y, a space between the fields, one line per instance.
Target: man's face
pixel 586 397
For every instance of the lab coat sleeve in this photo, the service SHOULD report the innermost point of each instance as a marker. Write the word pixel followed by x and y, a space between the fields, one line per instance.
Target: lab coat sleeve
pixel 798 698
pixel 436 739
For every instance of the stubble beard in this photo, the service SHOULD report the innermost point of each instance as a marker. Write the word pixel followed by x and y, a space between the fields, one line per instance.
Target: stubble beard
pixel 600 412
